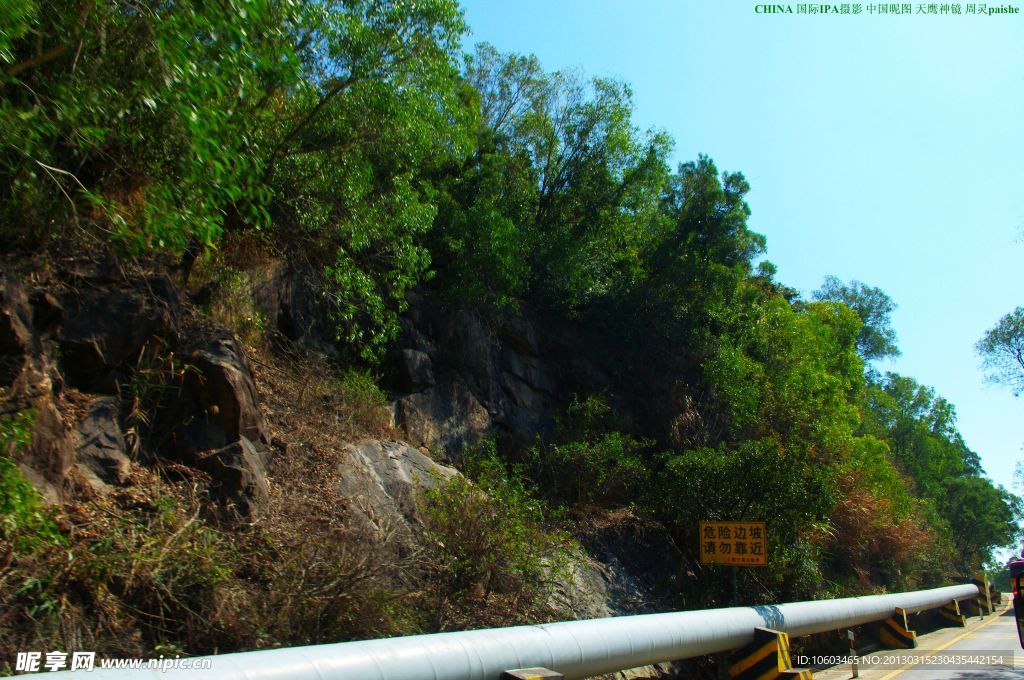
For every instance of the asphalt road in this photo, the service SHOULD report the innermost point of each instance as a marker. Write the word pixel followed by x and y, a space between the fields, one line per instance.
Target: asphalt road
pixel 987 648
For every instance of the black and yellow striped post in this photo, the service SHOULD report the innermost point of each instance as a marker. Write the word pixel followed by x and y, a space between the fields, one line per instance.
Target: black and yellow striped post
pixel 985 599
pixel 766 658
pixel 949 615
pixel 895 631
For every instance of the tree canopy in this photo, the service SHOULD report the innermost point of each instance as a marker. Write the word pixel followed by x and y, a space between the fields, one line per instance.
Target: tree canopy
pixel 1002 351
pixel 877 339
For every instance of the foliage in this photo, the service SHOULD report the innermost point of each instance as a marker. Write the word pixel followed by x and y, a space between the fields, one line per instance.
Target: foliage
pixel 139 122
pixel 877 339
pixel 161 126
pixel 490 536
pixel 759 479
pixel 559 199
pixel 790 373
pixel 607 470
pixel 343 136
pixel 593 462
pixel 232 304
pixel 919 428
pixel 380 103
pixel 24 522
pixel 1002 351
pixel 983 516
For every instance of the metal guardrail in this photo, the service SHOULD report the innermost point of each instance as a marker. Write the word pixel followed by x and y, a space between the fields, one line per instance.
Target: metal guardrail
pixel 577 649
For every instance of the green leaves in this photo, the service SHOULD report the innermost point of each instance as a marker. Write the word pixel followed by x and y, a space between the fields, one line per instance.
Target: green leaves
pixel 919 429
pixel 152 113
pixel 558 201
pixel 876 339
pixel 1002 352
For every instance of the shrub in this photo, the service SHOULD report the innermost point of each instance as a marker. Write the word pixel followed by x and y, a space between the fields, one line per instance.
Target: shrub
pixel 608 470
pixel 490 538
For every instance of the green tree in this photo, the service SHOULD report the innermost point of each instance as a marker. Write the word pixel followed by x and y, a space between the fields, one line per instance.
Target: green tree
pixel 983 517
pixel 381 98
pixel 789 373
pixel 757 480
pixel 562 177
pixel 1002 352
pixel 877 339
pixel 140 122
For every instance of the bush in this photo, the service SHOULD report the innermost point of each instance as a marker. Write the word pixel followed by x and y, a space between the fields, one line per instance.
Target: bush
pixel 607 470
pixel 490 538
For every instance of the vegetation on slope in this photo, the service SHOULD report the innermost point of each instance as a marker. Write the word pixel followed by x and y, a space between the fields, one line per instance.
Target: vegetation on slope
pixel 351 138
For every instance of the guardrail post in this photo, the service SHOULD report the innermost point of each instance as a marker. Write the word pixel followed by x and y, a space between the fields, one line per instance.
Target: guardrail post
pixel 949 614
pixel 985 589
pixel 895 631
pixel 532 674
pixel 766 658
pixel 994 596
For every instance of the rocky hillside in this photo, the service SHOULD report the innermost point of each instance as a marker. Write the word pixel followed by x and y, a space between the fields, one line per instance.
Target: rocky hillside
pixel 135 399
pixel 315 326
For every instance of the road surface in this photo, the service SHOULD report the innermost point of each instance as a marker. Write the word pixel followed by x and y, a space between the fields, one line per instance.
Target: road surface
pixel 985 649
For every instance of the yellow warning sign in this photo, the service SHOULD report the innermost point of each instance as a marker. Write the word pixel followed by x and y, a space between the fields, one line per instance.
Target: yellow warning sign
pixel 743 544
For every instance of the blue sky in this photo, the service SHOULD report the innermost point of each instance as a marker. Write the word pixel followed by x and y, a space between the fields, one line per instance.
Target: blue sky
pixel 888 149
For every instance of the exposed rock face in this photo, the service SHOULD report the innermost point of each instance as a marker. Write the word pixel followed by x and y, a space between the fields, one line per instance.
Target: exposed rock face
pixel 584 592
pixel 239 472
pixel 636 558
pixel 381 479
pixel 444 418
pixel 223 431
pixel 32 382
pixel 105 331
pixel 101 453
pixel 104 327
pixel 415 371
pixel 286 294
pixel 223 394
pixel 459 377
pixel 492 379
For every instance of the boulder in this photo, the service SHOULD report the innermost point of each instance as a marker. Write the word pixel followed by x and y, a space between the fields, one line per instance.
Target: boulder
pixel 382 478
pixel 101 452
pixel 239 474
pixel 105 331
pixel 220 428
pixel 224 406
pixel 32 384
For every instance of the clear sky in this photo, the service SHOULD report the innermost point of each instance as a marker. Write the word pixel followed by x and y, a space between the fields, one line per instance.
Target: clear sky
pixel 888 149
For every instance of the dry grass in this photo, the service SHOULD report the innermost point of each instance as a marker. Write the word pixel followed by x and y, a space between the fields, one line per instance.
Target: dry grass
pixel 308 400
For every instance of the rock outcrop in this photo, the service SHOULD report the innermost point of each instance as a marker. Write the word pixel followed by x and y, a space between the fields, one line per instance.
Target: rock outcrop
pixel 79 360
pixel 117 373
pixel 381 480
pixel 221 428
pixel 462 377
pixel 101 455
pixel 32 384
